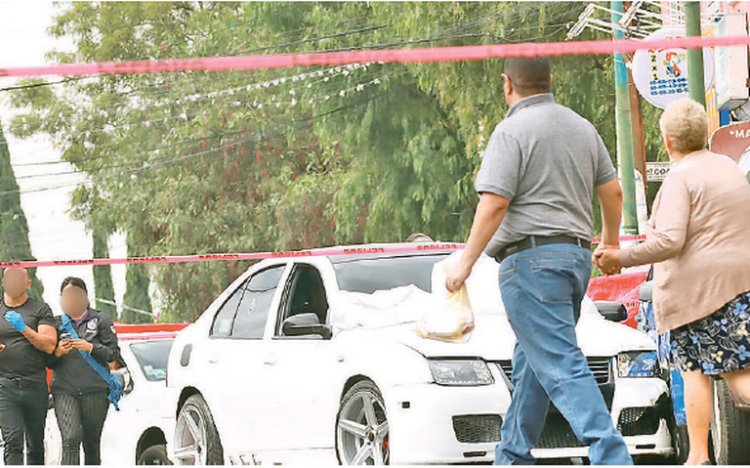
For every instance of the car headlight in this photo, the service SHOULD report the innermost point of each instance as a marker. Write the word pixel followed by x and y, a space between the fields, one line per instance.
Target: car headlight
pixel 638 364
pixel 461 372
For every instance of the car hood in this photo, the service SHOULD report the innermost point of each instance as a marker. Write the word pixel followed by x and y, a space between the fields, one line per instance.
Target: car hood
pixel 393 315
pixel 493 340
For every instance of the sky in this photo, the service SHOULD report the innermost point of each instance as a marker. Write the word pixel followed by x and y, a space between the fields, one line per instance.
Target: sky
pixel 53 234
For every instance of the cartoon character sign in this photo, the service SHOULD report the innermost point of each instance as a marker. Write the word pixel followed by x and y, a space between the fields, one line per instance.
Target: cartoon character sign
pixel 673 62
pixel 660 75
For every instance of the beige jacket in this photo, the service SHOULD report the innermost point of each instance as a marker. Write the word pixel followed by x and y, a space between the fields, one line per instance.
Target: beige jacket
pixel 700 239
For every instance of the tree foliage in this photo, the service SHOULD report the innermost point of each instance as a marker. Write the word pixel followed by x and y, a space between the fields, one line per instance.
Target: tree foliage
pixel 14 230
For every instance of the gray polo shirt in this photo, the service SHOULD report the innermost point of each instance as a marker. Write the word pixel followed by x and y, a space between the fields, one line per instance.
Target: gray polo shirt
pixel 546 160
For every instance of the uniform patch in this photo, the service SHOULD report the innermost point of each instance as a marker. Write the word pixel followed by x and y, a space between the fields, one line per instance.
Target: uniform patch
pixel 92 324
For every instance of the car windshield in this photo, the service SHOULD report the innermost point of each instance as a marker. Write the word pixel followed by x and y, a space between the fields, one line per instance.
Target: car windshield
pixel 152 357
pixel 367 275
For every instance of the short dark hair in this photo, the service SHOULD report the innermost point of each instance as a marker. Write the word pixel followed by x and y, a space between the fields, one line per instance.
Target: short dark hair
pixel 73 281
pixel 419 237
pixel 529 75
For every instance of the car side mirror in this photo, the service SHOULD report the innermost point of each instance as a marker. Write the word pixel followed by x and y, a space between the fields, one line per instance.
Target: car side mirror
pixel 125 379
pixel 612 311
pixel 305 324
pixel 646 292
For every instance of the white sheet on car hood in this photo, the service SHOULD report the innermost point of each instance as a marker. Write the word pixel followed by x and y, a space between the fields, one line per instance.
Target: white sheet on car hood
pixel 407 304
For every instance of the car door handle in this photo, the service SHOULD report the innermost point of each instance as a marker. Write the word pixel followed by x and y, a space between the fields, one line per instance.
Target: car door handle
pixel 269 360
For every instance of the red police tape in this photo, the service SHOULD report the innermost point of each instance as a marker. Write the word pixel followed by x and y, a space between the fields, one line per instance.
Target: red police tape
pixel 415 55
pixel 323 252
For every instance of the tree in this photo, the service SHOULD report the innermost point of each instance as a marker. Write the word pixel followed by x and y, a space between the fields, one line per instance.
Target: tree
pixel 103 287
pixel 14 230
pixel 136 292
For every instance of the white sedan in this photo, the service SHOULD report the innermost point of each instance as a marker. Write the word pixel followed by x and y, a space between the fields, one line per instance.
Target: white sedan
pixel 138 433
pixel 315 359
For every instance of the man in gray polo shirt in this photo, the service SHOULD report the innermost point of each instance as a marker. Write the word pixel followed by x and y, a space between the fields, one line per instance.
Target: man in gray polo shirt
pixel 538 175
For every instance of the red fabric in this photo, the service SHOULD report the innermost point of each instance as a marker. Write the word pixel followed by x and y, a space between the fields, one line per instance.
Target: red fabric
pixel 619 288
pixel 145 328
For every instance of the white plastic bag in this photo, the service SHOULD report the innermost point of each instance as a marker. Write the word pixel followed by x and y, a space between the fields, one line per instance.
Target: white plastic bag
pixel 453 319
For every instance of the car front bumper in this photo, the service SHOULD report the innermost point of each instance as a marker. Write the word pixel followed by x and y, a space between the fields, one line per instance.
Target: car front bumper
pixel 432 424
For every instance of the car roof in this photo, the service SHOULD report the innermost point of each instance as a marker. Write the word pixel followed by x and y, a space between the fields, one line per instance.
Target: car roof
pixel 373 251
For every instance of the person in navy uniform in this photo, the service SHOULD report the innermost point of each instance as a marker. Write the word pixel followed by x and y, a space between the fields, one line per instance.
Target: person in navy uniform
pixel 79 393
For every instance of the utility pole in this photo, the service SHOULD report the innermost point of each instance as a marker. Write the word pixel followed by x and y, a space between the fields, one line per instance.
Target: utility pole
pixel 623 119
pixel 639 134
pixel 696 84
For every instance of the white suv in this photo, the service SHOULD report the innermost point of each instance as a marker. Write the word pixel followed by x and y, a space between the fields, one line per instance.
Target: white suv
pixel 315 359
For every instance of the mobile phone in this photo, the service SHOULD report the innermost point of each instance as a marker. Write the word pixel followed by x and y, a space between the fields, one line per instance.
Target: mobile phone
pixel 66 337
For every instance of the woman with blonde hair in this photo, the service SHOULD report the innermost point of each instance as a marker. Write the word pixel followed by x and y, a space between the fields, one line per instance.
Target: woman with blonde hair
pixel 699 241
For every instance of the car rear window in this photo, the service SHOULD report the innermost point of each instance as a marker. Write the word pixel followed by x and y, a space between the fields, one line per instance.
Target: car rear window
pixel 152 356
pixel 368 275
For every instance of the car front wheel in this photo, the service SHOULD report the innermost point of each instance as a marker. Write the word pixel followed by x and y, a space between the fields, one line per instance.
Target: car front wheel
pixel 362 431
pixel 196 438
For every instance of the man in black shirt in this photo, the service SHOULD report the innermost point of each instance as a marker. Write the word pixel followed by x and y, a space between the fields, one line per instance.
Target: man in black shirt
pixel 27 336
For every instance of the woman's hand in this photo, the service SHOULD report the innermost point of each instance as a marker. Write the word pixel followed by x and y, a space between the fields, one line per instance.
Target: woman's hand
pixel 602 248
pixel 609 261
pixel 63 348
pixel 82 345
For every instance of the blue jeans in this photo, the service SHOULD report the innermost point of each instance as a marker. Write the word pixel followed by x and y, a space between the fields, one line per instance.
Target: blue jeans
pixel 542 289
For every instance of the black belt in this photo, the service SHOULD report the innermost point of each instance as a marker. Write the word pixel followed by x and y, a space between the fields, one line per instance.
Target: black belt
pixel 537 241
pixel 21 382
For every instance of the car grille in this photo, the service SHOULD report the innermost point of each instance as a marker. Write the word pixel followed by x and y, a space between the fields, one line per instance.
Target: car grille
pixel 601 367
pixel 557 432
pixel 638 421
pixel 477 428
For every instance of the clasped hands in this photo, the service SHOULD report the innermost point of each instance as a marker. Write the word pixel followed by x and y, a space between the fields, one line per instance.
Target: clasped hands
pixel 66 346
pixel 607 259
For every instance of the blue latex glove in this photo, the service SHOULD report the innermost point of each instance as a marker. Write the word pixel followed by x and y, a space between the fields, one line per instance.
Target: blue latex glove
pixel 15 320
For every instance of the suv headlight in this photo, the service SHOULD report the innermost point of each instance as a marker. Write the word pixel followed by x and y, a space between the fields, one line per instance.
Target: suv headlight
pixel 461 372
pixel 638 364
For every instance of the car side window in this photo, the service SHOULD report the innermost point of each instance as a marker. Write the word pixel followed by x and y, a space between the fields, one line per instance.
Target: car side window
pixel 222 326
pixel 255 304
pixel 306 295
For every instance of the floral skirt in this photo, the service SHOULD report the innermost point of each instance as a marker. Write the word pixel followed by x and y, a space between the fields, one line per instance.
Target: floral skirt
pixel 715 344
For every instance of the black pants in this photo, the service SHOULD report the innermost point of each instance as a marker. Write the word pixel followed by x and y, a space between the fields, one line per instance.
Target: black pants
pixel 23 413
pixel 81 420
